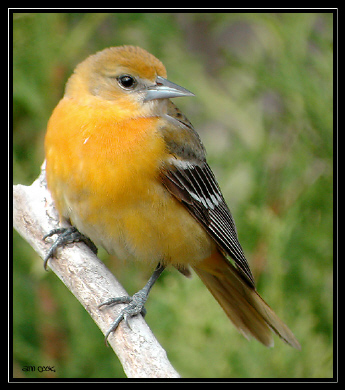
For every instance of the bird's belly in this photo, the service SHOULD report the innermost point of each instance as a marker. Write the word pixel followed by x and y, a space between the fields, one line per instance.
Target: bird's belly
pixel 151 227
pixel 114 195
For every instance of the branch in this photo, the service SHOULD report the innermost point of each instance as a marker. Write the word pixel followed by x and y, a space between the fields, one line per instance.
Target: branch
pixel 90 282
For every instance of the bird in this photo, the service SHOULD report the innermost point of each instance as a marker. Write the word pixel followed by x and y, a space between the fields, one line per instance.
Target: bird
pixel 128 171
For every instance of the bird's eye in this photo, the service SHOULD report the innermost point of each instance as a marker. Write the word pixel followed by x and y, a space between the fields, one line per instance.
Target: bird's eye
pixel 126 81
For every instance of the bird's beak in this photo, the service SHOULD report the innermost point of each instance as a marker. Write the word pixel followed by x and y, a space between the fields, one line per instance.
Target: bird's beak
pixel 165 89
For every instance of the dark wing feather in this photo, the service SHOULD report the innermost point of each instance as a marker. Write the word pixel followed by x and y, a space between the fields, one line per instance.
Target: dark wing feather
pixel 189 178
pixel 196 187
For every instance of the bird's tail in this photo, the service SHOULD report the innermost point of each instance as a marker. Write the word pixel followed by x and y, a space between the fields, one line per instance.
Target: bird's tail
pixel 243 305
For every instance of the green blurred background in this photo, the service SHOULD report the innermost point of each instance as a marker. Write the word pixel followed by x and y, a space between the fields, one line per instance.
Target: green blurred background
pixel 264 109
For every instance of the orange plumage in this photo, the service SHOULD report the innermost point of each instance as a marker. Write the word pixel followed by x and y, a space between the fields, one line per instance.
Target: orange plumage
pixel 128 170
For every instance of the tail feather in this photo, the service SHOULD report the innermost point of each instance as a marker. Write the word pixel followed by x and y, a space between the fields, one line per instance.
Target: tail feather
pixel 242 304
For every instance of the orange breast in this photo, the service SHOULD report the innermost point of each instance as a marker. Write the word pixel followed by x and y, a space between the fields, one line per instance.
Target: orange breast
pixel 104 176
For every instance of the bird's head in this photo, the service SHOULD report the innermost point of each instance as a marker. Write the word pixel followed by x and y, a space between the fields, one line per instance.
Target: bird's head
pixel 127 75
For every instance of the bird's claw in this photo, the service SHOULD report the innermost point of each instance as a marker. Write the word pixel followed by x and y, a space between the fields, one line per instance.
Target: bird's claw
pixel 66 236
pixel 135 306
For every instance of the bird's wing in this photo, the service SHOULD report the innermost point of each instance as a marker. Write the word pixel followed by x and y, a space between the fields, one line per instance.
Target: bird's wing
pixel 190 179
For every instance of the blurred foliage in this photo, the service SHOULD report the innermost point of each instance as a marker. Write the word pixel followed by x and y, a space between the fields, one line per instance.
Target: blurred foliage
pixel 263 106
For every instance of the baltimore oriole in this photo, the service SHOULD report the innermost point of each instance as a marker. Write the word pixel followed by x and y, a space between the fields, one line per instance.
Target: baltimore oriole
pixel 127 169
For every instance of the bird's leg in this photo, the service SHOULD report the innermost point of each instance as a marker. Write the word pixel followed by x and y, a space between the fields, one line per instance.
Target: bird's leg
pixel 135 304
pixel 66 236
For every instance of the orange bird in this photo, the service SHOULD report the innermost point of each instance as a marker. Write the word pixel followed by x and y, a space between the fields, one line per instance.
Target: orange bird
pixel 127 169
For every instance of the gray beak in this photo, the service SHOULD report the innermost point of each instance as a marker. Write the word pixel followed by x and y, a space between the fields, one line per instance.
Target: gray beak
pixel 165 89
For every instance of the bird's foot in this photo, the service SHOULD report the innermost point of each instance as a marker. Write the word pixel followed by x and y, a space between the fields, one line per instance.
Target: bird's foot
pixel 135 306
pixel 66 236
